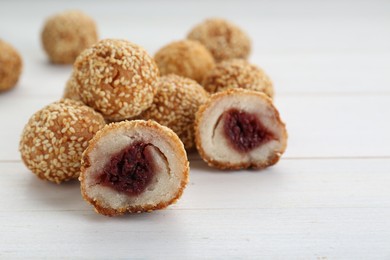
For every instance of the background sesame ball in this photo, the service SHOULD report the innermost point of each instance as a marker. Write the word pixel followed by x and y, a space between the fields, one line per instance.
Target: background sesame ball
pixel 71 89
pixel 10 66
pixel 55 137
pixel 223 39
pixel 67 34
pixel 115 78
pixel 237 73
pixel 185 58
pixel 175 104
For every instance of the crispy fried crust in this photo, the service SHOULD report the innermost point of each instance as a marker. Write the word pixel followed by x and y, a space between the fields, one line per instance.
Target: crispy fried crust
pixel 55 137
pixel 71 89
pixel 185 58
pixel 222 38
pixel 115 77
pixel 210 160
pixel 237 73
pixel 175 104
pixel 10 66
pixel 164 132
pixel 67 34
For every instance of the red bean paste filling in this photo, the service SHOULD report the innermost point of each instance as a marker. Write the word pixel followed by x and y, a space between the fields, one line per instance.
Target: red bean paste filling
pixel 244 131
pixel 130 171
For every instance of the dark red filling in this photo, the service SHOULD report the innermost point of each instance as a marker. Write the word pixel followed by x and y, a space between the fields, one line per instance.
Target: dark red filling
pixel 244 130
pixel 130 171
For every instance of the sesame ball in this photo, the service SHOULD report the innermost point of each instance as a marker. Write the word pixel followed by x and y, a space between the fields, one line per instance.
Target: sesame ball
pixel 71 89
pixel 237 73
pixel 10 66
pixel 55 137
pixel 67 34
pixel 175 104
pixel 185 58
pixel 223 39
pixel 115 78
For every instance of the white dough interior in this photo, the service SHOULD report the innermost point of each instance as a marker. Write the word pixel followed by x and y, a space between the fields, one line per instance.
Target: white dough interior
pixel 164 184
pixel 214 140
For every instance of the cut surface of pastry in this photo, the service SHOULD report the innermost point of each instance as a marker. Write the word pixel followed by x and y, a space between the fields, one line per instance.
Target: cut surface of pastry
pixel 133 166
pixel 239 129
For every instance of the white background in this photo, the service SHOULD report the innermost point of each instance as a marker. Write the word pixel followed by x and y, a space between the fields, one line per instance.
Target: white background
pixel 329 196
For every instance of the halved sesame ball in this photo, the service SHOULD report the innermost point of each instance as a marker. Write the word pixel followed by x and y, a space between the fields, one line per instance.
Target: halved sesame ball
pixel 175 104
pixel 133 166
pixel 222 38
pixel 185 58
pixel 67 34
pixel 55 137
pixel 238 129
pixel 238 73
pixel 115 78
pixel 10 66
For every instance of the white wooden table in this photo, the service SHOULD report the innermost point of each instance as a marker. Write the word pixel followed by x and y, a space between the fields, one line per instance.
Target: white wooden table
pixel 329 196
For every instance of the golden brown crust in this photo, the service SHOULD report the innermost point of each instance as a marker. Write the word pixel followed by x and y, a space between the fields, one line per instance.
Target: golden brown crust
pixel 115 77
pixel 71 89
pixel 200 115
pixel 10 66
pixel 67 34
pixel 237 73
pixel 165 132
pixel 53 140
pixel 110 212
pixel 185 58
pixel 223 39
pixel 175 104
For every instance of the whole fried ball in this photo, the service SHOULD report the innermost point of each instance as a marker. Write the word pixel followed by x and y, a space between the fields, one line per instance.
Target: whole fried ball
pixel 238 73
pixel 222 38
pixel 175 104
pixel 67 34
pixel 71 89
pixel 115 77
pixel 184 58
pixel 10 66
pixel 55 137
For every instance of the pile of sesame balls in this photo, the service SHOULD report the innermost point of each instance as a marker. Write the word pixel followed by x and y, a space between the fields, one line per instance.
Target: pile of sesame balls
pixel 115 80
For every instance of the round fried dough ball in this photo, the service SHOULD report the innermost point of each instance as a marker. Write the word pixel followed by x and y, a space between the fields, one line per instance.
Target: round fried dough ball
pixel 223 39
pixel 10 66
pixel 185 58
pixel 71 89
pixel 175 104
pixel 55 137
pixel 115 77
pixel 237 73
pixel 67 34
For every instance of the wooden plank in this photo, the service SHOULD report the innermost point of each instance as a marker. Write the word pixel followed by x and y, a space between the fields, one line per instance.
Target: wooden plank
pixel 289 184
pixel 349 52
pixel 328 126
pixel 299 208
pixel 292 73
pixel 336 126
pixel 344 233
pixel 328 198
